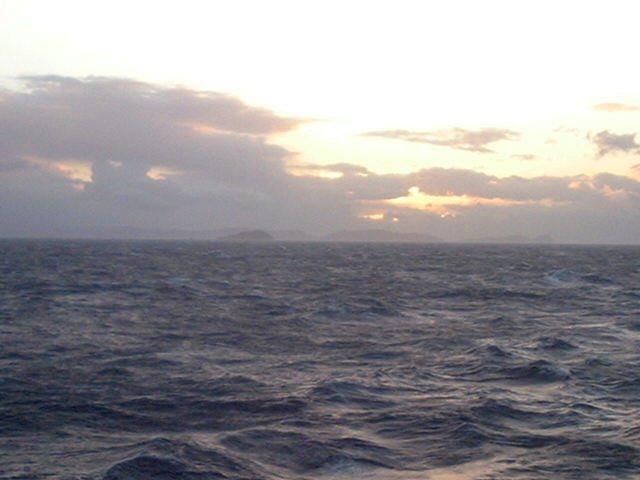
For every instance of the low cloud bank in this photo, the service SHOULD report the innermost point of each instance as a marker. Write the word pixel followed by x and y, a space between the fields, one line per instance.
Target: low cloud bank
pixel 84 154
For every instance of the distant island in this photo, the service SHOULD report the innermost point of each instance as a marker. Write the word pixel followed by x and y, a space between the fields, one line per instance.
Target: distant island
pixel 383 236
pixel 248 236
pixel 517 239
pixel 292 236
pixel 355 236
pixel 276 235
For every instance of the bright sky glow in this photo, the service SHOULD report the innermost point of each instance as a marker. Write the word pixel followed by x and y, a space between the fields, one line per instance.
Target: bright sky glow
pixel 532 67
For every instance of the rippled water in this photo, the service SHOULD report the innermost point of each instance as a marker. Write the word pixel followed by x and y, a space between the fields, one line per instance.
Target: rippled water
pixel 143 360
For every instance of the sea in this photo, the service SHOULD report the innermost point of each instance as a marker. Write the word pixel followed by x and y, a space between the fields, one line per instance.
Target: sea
pixel 132 360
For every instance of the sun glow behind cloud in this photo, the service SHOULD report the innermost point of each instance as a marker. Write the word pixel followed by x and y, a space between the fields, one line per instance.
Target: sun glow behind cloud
pixel 304 171
pixel 77 170
pixel 160 173
pixel 449 205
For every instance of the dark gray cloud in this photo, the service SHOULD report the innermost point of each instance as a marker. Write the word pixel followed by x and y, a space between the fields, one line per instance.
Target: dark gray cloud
pixel 458 138
pixel 608 142
pixel 81 155
pixel 463 182
pixel 177 105
pixel 222 170
pixel 616 107
pixel 138 125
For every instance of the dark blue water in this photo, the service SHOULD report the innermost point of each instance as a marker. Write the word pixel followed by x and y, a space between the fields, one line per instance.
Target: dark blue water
pixel 142 360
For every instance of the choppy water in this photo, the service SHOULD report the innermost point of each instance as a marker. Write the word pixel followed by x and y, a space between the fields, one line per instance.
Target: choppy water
pixel 142 360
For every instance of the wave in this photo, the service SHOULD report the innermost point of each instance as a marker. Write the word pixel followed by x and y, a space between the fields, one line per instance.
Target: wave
pixel 537 371
pixel 168 459
pixel 300 454
pixel 318 361
pixel 554 344
pixel 566 277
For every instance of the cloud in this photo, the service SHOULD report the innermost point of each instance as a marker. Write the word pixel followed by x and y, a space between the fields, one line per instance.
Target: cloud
pixel 616 107
pixel 453 182
pixel 608 142
pixel 109 137
pixel 335 170
pixel 460 203
pixel 457 138
pixel 78 156
pixel 140 126
pixel 178 105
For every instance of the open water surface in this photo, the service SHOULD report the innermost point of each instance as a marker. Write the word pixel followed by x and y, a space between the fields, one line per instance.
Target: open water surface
pixel 178 360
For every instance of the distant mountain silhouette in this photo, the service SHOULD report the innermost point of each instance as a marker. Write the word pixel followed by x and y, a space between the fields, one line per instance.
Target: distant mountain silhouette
pixel 385 236
pixel 292 236
pixel 136 233
pixel 248 236
pixel 521 239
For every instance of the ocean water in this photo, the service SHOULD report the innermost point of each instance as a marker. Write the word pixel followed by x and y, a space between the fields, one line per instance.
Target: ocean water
pixel 178 360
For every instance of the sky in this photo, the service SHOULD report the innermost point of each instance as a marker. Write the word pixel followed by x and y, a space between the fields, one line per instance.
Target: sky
pixel 459 119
